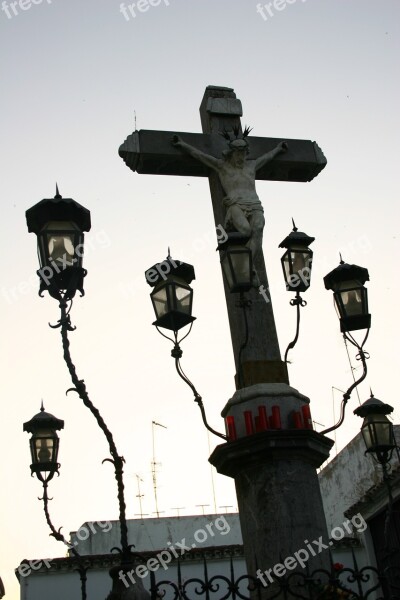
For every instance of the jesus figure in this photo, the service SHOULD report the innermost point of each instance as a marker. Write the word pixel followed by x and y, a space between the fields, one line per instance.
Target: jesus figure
pixel 237 174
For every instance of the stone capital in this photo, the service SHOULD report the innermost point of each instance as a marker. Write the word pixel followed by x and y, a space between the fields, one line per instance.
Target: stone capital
pixel 248 452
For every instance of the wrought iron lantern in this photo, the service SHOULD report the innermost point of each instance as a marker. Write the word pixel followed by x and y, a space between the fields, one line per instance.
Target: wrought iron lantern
pixel 59 224
pixel 172 296
pixel 350 296
pixel 297 260
pixel 44 444
pixel 376 429
pixel 237 262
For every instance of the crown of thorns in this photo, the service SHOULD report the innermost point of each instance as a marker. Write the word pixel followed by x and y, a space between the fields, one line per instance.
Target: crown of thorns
pixel 237 135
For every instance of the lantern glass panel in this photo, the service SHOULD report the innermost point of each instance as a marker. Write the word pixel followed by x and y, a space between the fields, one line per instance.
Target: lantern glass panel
pixel 183 297
pixel 351 299
pixel 44 447
pixel 171 296
pixel 241 267
pixel 237 268
pixel 160 301
pixel 58 243
pixel 226 268
pixel 377 432
pixel 297 262
pixel 60 246
pixel 352 302
pixel 286 266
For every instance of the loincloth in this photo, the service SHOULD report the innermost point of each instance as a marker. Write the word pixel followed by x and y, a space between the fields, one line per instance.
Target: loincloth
pixel 248 208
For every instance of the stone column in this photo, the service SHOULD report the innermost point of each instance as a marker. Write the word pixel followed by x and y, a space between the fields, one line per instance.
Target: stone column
pixel 279 498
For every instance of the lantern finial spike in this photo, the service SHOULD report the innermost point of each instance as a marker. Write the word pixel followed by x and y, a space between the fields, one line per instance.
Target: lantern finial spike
pixel 294 225
pixel 372 395
pixel 341 258
pixel 42 407
pixel 169 252
pixel 58 195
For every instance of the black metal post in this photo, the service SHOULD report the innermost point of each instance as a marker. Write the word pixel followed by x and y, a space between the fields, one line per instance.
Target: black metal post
pixel 80 387
pixel 127 557
pixel 298 302
pixel 363 356
pixel 82 570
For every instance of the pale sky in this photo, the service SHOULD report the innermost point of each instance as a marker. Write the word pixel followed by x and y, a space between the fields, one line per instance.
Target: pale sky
pixel 73 76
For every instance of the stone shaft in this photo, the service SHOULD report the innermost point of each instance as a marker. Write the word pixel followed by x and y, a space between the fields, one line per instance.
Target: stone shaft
pixel 279 499
pixel 260 358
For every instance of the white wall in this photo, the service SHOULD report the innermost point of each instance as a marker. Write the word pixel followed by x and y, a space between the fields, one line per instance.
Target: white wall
pixel 155 534
pixel 64 586
pixel 344 481
pixel 62 583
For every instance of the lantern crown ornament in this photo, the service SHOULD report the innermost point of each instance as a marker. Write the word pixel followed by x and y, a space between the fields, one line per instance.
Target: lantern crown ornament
pixel 350 295
pixel 376 429
pixel 172 296
pixel 44 444
pixel 237 262
pixel 297 260
pixel 59 224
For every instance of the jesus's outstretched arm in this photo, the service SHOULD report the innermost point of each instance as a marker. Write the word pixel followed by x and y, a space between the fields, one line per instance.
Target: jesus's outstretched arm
pixel 266 158
pixel 206 159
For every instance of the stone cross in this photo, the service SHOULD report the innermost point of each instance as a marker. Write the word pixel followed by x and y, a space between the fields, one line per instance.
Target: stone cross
pixel 152 152
pixel 274 466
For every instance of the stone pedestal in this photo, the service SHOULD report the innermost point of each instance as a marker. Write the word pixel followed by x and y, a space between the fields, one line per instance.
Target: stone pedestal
pixel 277 487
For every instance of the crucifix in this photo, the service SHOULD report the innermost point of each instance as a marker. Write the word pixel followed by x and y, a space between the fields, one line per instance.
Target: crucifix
pixel 274 468
pixel 232 173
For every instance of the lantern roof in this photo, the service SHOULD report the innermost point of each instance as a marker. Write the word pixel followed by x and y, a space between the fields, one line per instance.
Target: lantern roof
pixel 373 406
pixel 43 420
pixel 57 209
pixel 296 238
pixel 169 267
pixel 345 272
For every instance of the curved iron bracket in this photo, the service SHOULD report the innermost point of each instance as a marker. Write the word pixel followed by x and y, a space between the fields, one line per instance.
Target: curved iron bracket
pixel 363 356
pixel 298 302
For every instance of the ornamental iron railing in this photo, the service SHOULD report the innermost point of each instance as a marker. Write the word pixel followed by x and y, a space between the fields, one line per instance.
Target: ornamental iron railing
pixel 340 583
